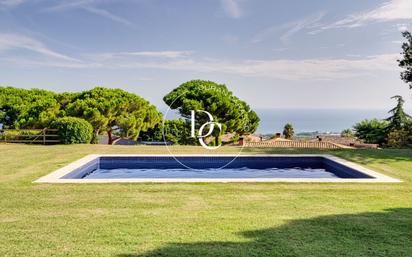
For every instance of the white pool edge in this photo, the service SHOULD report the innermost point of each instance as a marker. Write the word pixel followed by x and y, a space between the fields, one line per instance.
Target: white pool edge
pixel 56 176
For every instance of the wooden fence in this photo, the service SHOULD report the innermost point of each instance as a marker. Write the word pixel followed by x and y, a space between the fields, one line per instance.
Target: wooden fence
pixel 295 144
pixel 30 136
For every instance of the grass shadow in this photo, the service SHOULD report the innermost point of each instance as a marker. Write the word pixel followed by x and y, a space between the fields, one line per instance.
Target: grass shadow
pixel 386 233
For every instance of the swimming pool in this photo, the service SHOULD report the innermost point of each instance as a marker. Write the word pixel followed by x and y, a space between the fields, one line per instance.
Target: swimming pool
pixel 212 168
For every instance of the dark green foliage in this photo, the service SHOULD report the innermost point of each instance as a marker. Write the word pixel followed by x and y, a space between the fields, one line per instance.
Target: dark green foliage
pixel 110 110
pixel 400 138
pixel 175 131
pixel 372 131
pixel 65 99
pixel 400 126
pixel 406 61
pixel 27 108
pixel 395 131
pixel 73 130
pixel 399 119
pixel 288 131
pixel 106 109
pixel 234 114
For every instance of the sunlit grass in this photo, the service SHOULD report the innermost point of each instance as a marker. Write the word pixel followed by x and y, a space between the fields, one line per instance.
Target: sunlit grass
pixel 205 219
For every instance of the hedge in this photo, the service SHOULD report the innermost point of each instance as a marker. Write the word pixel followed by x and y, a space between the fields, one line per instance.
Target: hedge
pixel 73 130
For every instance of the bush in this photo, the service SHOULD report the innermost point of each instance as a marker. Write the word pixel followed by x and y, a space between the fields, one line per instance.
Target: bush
pixel 73 130
pixel 399 138
pixel 372 131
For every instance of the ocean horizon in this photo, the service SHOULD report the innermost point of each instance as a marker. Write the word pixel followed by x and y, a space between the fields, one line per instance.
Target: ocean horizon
pixel 312 120
pixel 272 120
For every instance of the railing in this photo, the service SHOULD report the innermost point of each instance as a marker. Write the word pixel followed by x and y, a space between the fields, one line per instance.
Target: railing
pixel 295 144
pixel 30 136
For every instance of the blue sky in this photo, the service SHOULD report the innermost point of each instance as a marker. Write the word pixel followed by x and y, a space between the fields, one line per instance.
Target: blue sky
pixel 274 54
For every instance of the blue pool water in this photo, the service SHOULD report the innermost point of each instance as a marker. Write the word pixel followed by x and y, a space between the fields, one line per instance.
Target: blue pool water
pixel 211 167
pixel 212 173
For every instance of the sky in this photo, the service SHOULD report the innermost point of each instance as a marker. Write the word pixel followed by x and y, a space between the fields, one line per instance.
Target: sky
pixel 328 54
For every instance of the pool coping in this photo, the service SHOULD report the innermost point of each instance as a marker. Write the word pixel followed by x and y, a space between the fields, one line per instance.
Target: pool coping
pixel 56 176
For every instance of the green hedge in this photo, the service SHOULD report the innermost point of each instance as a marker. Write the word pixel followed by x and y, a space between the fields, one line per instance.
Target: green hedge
pixel 73 130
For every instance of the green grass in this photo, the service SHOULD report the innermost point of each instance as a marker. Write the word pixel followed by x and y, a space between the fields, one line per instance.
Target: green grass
pixel 130 220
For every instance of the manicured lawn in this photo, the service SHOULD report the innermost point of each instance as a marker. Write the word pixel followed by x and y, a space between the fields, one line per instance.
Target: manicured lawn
pixel 128 220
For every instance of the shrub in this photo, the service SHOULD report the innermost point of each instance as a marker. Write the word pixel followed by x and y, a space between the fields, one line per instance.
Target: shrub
pixel 372 131
pixel 73 130
pixel 399 138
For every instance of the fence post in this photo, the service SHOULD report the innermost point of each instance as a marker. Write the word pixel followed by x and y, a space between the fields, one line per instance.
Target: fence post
pixel 44 136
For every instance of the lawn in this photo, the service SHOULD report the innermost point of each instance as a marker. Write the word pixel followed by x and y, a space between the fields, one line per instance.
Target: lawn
pixel 130 220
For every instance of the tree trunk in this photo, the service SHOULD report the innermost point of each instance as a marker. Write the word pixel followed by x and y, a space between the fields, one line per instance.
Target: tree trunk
pixel 218 138
pixel 95 138
pixel 109 135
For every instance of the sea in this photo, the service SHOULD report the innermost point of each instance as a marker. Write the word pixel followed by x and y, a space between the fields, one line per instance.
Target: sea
pixel 312 120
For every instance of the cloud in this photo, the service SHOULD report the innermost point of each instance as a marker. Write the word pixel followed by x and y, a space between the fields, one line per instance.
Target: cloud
pixel 106 14
pixel 164 54
pixel 289 29
pixel 11 3
pixel 392 10
pixel 49 63
pixel 185 61
pixel 307 23
pixel 402 27
pixel 15 41
pixel 142 56
pixel 232 8
pixel 90 6
pixel 286 69
pixel 312 69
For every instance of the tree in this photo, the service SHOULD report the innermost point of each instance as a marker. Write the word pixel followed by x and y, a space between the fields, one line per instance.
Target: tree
pixel 110 110
pixel 234 114
pixel 399 119
pixel 64 99
pixel 175 131
pixel 406 61
pixel 395 131
pixel 372 131
pixel 288 131
pixel 27 108
pixel 346 133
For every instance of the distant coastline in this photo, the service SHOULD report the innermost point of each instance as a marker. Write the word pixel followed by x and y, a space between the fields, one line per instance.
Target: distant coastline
pixel 310 120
